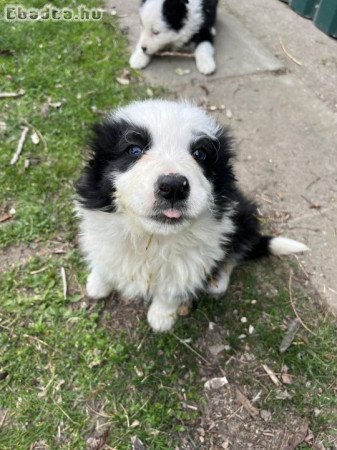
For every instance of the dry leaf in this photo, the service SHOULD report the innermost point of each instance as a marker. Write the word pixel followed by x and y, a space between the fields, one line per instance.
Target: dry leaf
pixel 35 138
pixel 216 383
pixel 288 338
pixel 286 378
pixel 137 444
pixel 123 81
pixel 183 310
pixel 225 445
pixel 55 104
pixel 180 71
pixel 5 217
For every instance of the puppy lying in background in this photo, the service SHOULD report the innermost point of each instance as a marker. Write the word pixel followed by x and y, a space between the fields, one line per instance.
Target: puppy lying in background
pixel 177 23
pixel 161 215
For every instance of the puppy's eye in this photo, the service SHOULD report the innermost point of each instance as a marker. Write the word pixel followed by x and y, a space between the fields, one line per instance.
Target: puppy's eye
pixel 135 150
pixel 155 32
pixel 199 154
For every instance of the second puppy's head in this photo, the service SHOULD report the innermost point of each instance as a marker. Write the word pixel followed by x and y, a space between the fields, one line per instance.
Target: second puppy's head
pixel 160 164
pixel 163 23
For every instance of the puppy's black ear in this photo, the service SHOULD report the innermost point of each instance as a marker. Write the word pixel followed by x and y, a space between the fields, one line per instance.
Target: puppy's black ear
pixel 175 13
pixel 95 188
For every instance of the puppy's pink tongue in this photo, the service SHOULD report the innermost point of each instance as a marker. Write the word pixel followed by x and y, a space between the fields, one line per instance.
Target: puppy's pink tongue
pixel 172 213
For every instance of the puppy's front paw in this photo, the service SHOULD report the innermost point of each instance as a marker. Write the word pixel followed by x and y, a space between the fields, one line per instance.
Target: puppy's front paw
pixel 206 65
pixel 161 319
pixel 96 287
pixel 218 286
pixel 139 59
pixel 204 58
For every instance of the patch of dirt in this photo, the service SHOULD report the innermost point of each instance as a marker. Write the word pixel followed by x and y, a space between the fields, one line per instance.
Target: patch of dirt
pixel 233 416
pixel 122 314
pixel 19 255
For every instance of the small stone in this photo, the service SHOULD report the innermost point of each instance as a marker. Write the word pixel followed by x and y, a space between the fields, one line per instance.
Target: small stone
pixel 216 349
pixel 211 326
pixel 242 336
pixel 244 319
pixel 251 329
pixel 265 415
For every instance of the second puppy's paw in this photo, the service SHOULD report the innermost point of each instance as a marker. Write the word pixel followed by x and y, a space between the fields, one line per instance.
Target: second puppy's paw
pixel 139 59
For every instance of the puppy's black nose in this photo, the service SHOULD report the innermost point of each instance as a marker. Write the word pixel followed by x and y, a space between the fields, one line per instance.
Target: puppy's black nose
pixel 173 187
pixel 144 49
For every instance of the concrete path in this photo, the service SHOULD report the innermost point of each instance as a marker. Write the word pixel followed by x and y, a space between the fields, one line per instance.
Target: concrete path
pixel 282 114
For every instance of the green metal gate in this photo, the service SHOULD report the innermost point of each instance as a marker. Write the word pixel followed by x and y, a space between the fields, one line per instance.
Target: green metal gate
pixel 322 12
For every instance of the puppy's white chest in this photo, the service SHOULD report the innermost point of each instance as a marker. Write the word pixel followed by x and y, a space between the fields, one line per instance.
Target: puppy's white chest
pixel 154 265
pixel 159 265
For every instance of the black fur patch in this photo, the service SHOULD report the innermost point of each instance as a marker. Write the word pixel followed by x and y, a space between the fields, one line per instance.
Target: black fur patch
pixel 175 13
pixel 108 145
pixel 217 168
pixel 209 16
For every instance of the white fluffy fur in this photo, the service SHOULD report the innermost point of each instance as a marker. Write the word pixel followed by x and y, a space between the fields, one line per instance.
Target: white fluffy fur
pixel 151 20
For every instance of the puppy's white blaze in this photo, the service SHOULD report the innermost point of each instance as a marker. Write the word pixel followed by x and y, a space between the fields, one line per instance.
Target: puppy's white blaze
pixel 285 246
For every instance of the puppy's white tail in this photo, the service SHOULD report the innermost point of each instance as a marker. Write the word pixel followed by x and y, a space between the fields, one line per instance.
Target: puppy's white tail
pixel 269 245
pixel 285 246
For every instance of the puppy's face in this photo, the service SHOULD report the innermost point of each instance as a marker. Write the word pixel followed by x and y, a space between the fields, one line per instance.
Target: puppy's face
pixel 161 164
pixel 161 22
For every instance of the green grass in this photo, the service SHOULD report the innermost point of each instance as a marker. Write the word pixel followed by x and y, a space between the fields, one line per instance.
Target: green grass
pixel 72 63
pixel 66 365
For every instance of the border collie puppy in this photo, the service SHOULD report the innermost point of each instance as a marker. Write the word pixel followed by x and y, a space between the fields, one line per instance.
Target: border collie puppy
pixel 177 23
pixel 161 215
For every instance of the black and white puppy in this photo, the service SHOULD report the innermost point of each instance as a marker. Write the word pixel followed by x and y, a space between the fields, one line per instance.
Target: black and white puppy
pixel 177 23
pixel 161 215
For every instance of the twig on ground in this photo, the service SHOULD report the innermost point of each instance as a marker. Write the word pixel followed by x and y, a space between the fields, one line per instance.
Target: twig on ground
pixel 254 412
pixel 63 412
pixel 64 282
pixel 191 348
pixel 271 375
pixel 3 418
pixel 34 272
pixel 19 148
pixel 20 93
pixel 28 336
pixel 288 54
pixel 234 413
pixel 293 304
pixel 38 132
pixel 181 54
pixel 126 415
